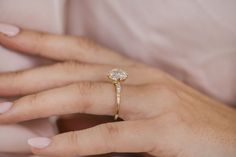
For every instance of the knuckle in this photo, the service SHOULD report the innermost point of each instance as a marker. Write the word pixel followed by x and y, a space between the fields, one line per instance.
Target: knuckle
pixel 110 132
pixel 73 66
pixel 13 77
pixel 37 42
pixel 29 103
pixel 85 88
pixel 88 42
pixel 12 80
pixel 73 140
pixel 111 129
pixel 70 64
pixel 87 94
pixel 68 67
pixel 34 100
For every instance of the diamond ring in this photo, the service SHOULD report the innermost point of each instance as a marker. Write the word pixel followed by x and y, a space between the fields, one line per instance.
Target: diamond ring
pixel 116 76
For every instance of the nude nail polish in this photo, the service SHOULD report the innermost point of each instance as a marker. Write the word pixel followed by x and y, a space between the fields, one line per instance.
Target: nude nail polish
pixel 9 30
pixel 39 142
pixel 5 106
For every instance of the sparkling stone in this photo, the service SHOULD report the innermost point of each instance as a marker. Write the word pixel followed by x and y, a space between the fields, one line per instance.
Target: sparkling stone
pixel 118 88
pixel 117 75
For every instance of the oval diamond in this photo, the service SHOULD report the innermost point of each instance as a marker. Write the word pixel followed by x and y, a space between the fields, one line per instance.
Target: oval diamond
pixel 117 75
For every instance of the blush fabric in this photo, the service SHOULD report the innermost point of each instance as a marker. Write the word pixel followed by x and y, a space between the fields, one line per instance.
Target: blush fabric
pixel 193 40
pixel 39 15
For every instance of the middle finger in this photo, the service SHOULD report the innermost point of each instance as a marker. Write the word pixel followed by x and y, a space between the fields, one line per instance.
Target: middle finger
pixel 61 74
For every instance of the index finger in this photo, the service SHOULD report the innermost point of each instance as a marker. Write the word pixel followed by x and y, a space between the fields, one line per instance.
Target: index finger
pixel 61 47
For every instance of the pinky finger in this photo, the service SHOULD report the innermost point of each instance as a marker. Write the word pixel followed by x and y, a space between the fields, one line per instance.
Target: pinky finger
pixel 105 138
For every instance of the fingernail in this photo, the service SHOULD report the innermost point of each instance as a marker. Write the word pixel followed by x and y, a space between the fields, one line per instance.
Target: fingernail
pixel 5 106
pixel 39 142
pixel 9 30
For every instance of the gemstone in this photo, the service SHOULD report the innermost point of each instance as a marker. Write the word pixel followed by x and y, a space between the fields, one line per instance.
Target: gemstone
pixel 117 75
pixel 118 88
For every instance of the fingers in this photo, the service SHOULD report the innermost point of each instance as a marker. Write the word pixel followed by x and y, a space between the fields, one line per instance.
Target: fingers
pixel 59 47
pixel 105 138
pixel 60 74
pixel 84 97
pixel 47 77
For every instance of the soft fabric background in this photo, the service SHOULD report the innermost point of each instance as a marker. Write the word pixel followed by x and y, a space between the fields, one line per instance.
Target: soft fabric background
pixel 40 15
pixel 193 40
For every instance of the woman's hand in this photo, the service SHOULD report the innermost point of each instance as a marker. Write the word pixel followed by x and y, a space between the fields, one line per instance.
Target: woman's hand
pixel 162 116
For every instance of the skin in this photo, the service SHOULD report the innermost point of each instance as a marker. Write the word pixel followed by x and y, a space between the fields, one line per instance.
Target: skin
pixel 162 116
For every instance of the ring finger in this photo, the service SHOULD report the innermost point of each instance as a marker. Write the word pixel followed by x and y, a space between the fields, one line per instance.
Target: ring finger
pixel 83 97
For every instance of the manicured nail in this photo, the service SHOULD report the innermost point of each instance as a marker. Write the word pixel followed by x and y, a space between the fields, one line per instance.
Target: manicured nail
pixel 39 142
pixel 5 106
pixel 9 30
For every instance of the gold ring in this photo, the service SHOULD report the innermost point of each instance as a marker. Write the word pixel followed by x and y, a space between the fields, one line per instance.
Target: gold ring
pixel 117 76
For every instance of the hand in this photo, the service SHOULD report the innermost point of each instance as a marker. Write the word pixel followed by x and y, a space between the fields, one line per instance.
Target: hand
pixel 162 116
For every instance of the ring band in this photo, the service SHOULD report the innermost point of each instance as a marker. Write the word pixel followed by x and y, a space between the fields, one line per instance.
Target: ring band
pixel 118 90
pixel 117 76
